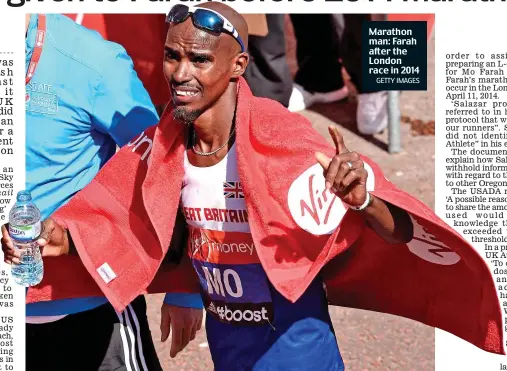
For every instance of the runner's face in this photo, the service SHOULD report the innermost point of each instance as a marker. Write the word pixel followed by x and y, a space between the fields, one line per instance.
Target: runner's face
pixel 198 67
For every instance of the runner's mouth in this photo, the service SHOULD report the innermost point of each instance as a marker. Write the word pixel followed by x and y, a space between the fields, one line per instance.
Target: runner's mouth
pixel 185 95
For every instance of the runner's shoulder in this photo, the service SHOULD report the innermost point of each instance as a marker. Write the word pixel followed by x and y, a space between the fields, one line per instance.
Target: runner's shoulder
pixel 272 121
pixel 273 111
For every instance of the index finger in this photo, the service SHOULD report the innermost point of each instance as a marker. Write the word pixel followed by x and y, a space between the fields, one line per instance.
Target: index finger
pixel 186 336
pixel 6 239
pixel 338 140
pixel 176 340
pixel 5 231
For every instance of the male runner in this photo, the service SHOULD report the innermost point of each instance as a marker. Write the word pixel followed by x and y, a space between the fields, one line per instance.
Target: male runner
pixel 249 324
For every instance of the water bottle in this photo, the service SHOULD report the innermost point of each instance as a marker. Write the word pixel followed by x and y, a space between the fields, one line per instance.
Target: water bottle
pixel 24 230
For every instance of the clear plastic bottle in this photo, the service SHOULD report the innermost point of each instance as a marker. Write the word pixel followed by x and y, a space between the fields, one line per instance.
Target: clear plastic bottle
pixel 24 230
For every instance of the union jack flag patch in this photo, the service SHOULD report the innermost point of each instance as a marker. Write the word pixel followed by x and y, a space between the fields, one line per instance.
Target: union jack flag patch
pixel 233 190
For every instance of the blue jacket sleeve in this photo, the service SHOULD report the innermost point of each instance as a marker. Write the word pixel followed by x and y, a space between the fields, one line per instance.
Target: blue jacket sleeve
pixel 184 300
pixel 122 107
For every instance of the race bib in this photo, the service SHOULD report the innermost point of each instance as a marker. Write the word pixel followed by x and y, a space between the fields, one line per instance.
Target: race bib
pixel 234 285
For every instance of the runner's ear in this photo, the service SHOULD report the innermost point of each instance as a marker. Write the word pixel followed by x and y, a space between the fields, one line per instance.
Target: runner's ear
pixel 240 64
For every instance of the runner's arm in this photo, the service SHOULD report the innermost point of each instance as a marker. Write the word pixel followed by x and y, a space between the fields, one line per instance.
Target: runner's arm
pixel 388 221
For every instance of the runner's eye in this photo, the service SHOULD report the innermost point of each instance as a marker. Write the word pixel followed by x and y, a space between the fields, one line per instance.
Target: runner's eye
pixel 170 54
pixel 201 59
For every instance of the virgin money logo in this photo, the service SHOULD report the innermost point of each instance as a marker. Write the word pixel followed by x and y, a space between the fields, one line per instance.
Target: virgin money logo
pixel 428 247
pixel 315 209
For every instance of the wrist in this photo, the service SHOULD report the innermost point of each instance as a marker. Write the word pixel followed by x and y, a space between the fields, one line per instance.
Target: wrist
pixel 366 204
pixel 184 300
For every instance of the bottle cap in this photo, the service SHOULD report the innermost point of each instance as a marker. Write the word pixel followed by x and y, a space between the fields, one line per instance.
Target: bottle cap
pixel 24 196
